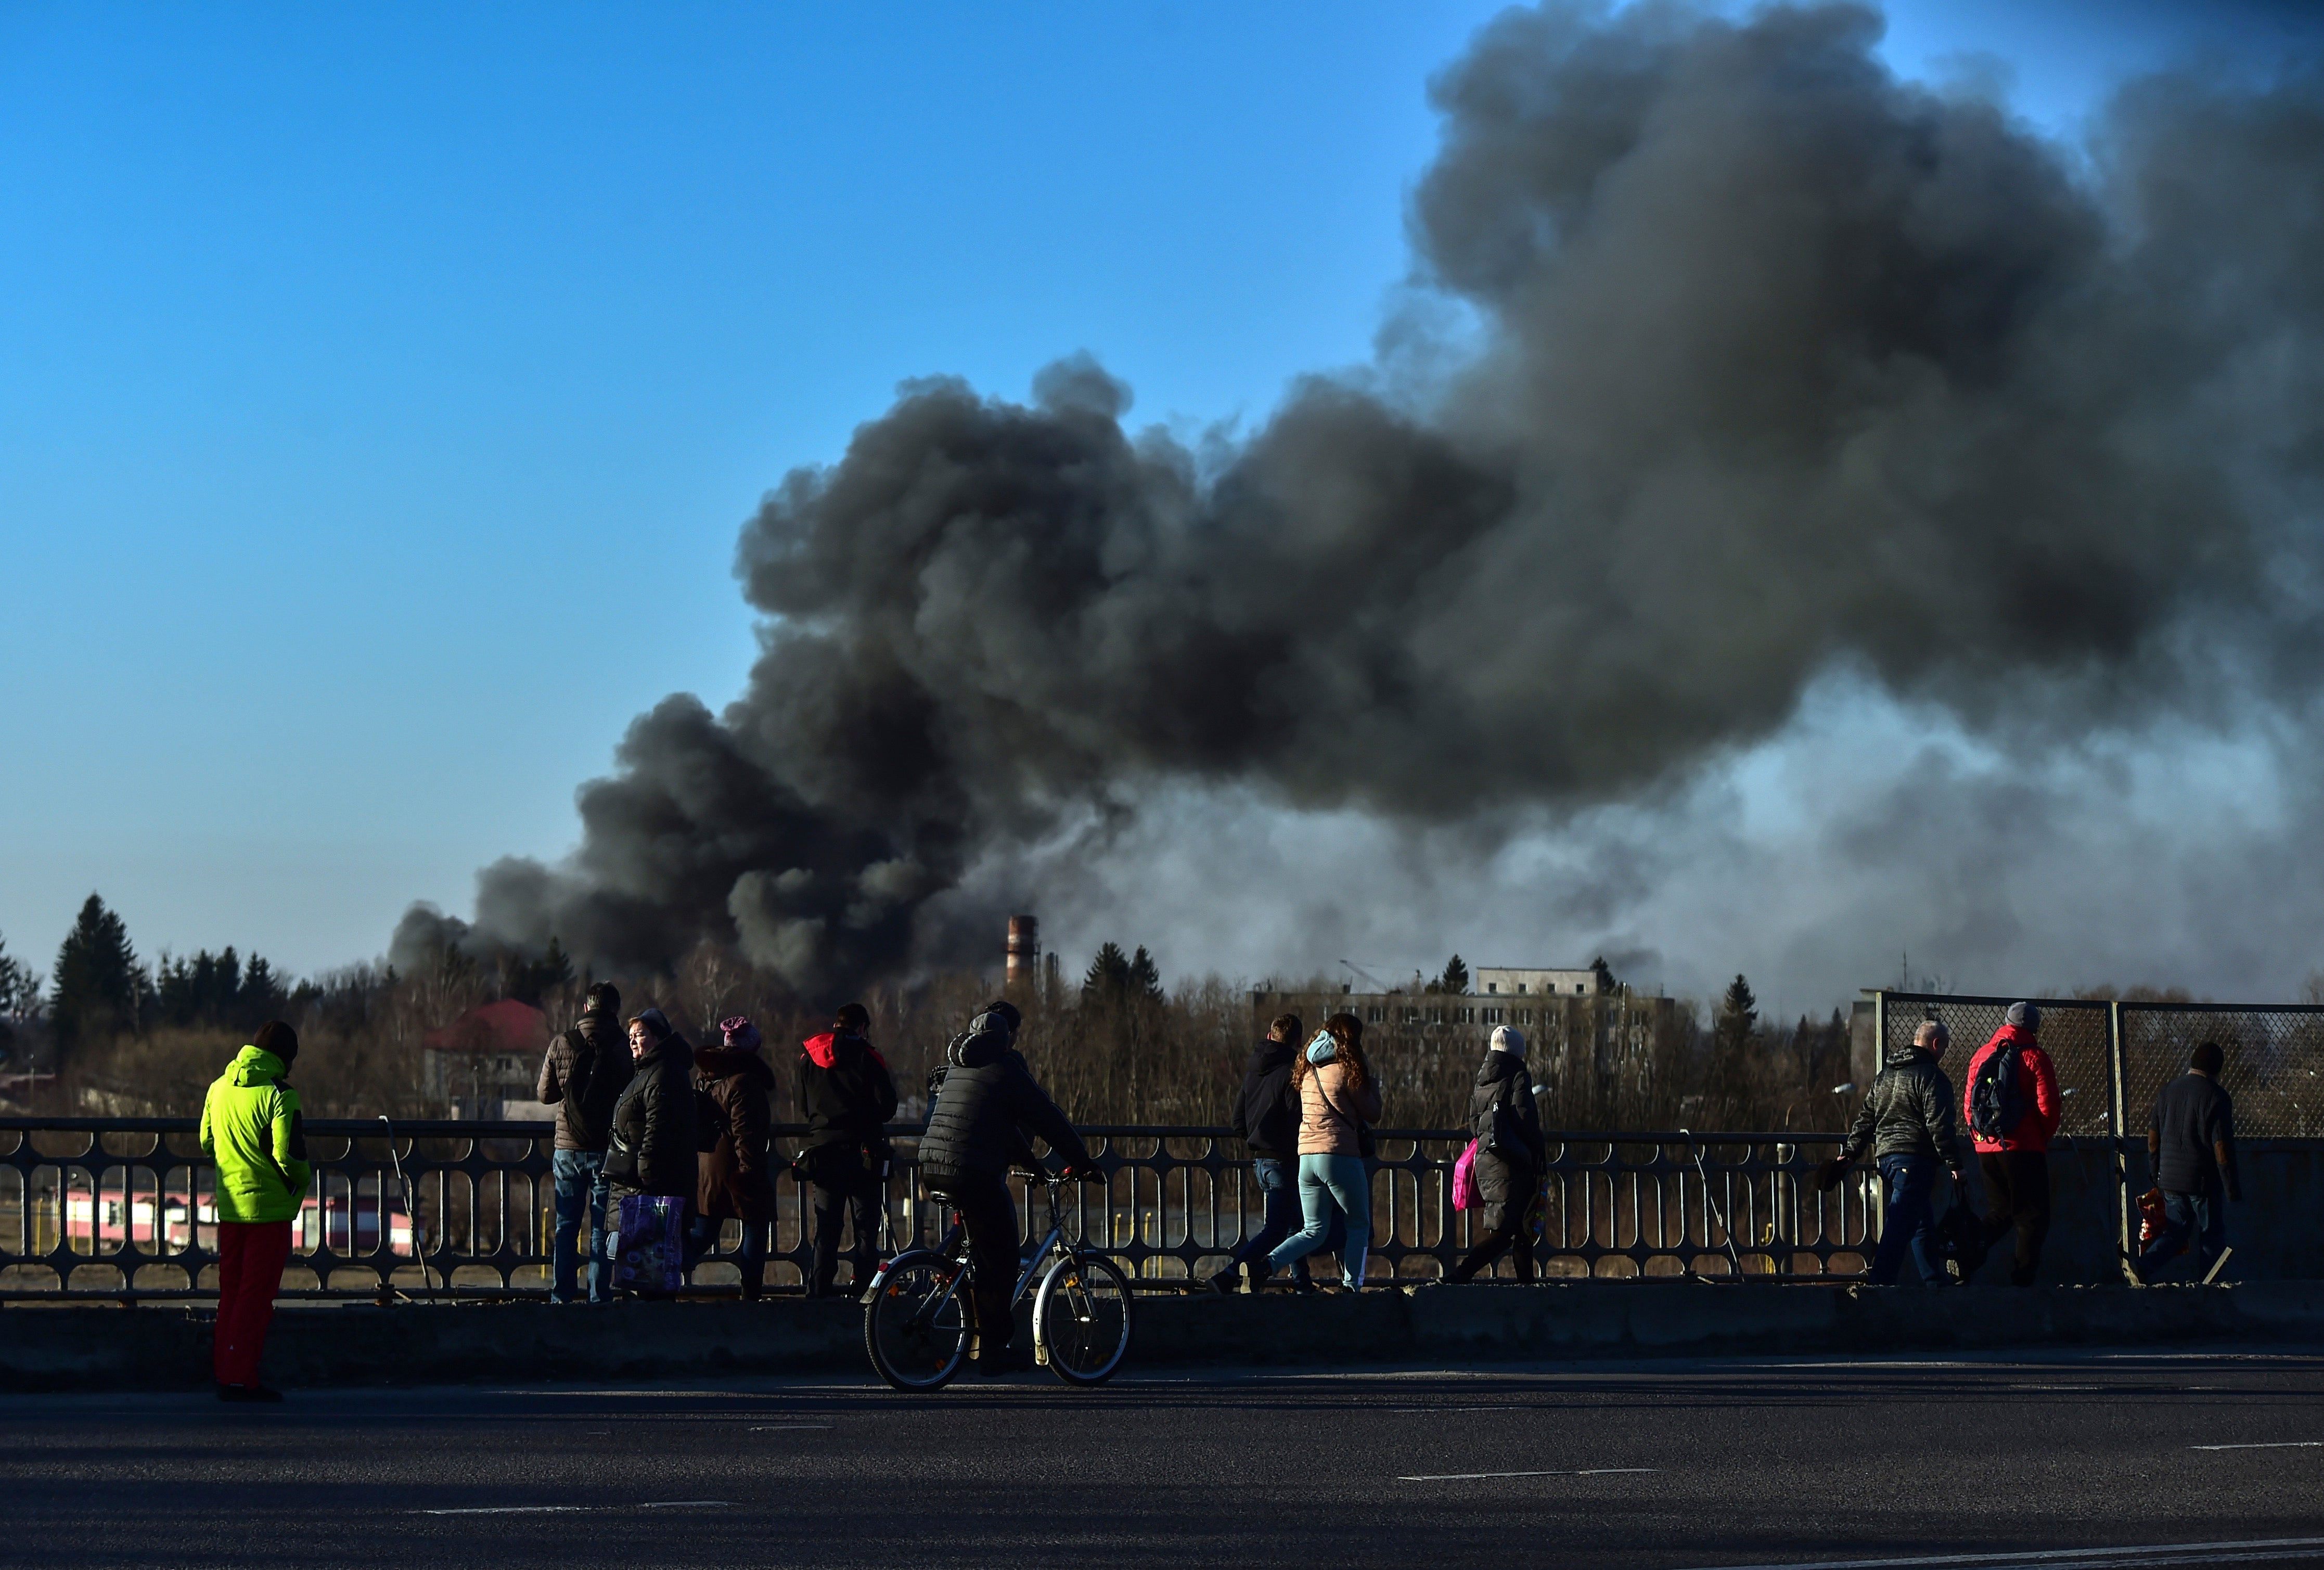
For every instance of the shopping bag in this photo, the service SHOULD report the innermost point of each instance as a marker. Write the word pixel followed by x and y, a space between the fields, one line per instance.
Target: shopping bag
pixel 649 1246
pixel 1464 1179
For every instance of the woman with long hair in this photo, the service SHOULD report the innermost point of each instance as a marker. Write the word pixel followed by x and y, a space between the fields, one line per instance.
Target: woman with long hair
pixel 1338 1098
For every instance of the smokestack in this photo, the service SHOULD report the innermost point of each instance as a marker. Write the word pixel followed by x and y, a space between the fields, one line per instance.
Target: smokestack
pixel 1024 952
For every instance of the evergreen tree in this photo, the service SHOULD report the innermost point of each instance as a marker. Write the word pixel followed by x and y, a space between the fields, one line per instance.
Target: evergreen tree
pixel 1108 978
pixel 1738 1016
pixel 525 980
pixel 1455 978
pixel 20 988
pixel 99 985
pixel 1605 972
pixel 1143 980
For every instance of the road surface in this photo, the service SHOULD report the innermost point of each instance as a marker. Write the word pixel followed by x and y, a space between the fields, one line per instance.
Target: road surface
pixel 2083 1462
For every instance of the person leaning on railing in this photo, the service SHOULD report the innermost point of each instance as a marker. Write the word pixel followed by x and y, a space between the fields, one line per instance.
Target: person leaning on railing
pixel 252 1130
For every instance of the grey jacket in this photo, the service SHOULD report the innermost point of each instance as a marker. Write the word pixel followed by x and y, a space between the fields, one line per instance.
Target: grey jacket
pixel 1912 1110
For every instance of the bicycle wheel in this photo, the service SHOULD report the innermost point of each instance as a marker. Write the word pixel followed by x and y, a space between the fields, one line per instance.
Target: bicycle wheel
pixel 915 1326
pixel 1081 1318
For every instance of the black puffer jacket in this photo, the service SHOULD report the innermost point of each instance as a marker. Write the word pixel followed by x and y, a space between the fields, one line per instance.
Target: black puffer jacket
pixel 582 1076
pixel 1910 1111
pixel 1502 1082
pixel 653 1148
pixel 987 1108
pixel 845 1092
pixel 1267 1114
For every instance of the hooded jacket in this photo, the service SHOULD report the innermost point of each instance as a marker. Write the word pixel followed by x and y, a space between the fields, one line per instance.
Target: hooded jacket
pixel 2039 1126
pixel 582 1076
pixel 1265 1114
pixel 846 1096
pixel 1909 1111
pixel 730 1176
pixel 651 1148
pixel 1329 1109
pixel 987 1109
pixel 1502 1082
pixel 252 1128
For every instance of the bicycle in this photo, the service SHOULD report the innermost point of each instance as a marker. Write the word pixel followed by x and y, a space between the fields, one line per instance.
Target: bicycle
pixel 915 1324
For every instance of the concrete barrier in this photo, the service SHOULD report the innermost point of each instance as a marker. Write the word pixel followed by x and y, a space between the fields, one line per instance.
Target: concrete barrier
pixel 150 1348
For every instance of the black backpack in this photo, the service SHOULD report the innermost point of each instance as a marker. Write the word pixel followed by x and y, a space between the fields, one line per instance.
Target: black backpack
pixel 1997 1097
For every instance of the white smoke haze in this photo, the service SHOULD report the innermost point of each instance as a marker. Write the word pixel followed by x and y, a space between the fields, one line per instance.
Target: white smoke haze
pixel 1849 524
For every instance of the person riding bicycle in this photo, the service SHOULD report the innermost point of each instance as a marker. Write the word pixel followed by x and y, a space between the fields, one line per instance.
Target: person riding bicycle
pixel 987 1109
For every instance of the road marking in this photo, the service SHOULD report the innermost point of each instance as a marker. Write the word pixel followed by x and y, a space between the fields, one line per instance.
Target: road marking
pixel 2079 1559
pixel 2272 1444
pixel 785 1427
pixel 1473 1476
pixel 658 1505
pixel 1498 1407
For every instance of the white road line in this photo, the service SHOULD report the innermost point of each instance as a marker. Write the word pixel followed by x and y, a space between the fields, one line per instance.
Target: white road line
pixel 1473 1476
pixel 786 1428
pixel 2271 1445
pixel 2078 1558
pixel 658 1505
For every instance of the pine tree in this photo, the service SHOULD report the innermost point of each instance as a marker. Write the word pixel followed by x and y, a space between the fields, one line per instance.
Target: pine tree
pixel 99 984
pixel 1107 979
pixel 20 988
pixel 1143 981
pixel 1455 978
pixel 1738 1016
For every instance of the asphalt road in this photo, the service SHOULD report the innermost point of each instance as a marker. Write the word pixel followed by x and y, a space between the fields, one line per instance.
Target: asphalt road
pixel 2086 1462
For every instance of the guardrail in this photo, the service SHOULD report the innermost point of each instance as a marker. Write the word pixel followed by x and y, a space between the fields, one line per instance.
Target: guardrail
pixel 118 1209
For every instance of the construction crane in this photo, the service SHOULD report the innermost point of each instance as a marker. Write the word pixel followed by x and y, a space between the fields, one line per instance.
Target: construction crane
pixel 1371 983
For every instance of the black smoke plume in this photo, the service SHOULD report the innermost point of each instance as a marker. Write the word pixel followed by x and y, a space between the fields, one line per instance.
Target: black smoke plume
pixel 1773 365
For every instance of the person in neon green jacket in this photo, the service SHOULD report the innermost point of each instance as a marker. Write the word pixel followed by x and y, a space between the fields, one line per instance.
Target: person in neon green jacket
pixel 252 1130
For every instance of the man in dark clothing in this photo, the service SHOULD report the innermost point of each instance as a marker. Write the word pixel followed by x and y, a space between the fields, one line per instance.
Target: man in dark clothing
pixel 651 1148
pixel 2015 1161
pixel 730 1178
pixel 2193 1143
pixel 846 1095
pixel 988 1109
pixel 1908 1125
pixel 582 1076
pixel 1511 1155
pixel 1265 1117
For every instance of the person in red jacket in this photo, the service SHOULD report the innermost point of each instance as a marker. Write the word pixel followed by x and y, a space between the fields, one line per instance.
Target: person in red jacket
pixel 2016 1163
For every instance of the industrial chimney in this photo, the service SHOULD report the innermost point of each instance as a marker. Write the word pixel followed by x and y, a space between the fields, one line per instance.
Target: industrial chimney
pixel 1024 952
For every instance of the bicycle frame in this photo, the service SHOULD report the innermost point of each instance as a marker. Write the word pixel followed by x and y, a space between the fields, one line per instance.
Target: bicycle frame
pixel 1051 1246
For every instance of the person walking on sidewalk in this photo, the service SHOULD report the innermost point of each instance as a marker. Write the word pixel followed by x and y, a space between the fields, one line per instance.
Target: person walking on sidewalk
pixel 1338 1100
pixel 1908 1125
pixel 846 1095
pixel 1510 1156
pixel 2191 1141
pixel 251 1131
pixel 730 1181
pixel 2013 1109
pixel 582 1076
pixel 1266 1118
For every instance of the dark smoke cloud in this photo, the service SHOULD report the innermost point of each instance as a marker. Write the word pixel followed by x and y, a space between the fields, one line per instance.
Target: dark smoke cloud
pixel 1783 366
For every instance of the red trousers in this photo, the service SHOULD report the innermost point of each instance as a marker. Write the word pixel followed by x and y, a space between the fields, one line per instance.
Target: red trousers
pixel 251 1256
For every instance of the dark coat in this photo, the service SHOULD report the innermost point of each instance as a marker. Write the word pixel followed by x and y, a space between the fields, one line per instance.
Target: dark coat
pixel 1909 1111
pixel 582 1076
pixel 846 1096
pixel 988 1107
pixel 731 1177
pixel 652 1150
pixel 1502 1082
pixel 1267 1113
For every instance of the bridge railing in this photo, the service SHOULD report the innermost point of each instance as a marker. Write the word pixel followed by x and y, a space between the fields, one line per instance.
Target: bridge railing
pixel 118 1209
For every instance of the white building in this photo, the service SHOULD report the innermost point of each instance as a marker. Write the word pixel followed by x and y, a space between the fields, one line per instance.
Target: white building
pixel 1494 981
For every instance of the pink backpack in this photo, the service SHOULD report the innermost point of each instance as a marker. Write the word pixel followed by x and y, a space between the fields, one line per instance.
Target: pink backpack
pixel 1464 1179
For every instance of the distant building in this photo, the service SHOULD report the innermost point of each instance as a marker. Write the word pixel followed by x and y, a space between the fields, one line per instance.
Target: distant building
pixel 486 1064
pixel 1496 982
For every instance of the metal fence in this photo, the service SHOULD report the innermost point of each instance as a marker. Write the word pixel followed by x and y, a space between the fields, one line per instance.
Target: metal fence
pixel 118 1209
pixel 2114 1057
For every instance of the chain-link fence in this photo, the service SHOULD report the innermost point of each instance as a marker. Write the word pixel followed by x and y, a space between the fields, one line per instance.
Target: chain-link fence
pixel 2113 1059
pixel 2274 1070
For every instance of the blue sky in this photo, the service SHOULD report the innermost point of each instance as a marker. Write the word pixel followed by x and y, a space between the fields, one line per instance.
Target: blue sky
pixel 380 391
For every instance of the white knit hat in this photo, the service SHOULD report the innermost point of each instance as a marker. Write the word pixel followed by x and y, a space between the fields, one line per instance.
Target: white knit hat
pixel 1510 1041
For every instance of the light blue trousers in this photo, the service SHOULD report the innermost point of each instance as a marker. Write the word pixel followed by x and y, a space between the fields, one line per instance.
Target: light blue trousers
pixel 1329 1183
